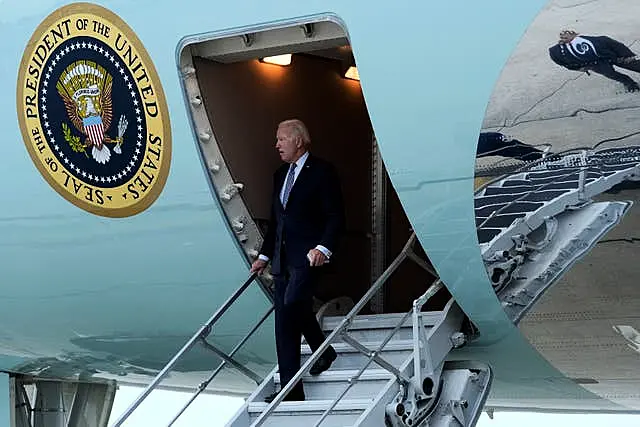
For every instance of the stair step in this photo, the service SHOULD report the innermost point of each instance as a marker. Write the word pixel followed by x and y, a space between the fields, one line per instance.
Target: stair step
pixel 330 384
pixel 312 406
pixel 341 347
pixel 297 414
pixel 387 321
pixel 395 352
pixel 343 375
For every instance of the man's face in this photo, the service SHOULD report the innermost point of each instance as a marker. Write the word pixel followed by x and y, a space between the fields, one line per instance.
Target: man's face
pixel 566 37
pixel 287 145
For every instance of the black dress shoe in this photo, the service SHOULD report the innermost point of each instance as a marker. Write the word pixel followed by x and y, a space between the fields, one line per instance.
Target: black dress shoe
pixel 291 397
pixel 323 363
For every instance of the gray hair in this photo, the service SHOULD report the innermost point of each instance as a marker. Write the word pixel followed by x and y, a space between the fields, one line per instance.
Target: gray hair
pixel 297 128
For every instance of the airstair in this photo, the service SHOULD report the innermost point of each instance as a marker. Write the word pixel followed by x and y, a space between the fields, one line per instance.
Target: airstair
pixel 391 369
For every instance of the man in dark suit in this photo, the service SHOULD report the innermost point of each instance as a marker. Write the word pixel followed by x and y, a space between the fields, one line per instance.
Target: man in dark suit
pixel 306 220
pixel 596 53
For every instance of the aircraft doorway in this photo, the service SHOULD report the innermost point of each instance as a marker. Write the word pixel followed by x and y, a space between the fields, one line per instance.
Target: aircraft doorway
pixel 240 88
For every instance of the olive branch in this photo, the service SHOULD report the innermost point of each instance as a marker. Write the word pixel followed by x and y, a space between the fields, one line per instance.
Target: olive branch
pixel 73 141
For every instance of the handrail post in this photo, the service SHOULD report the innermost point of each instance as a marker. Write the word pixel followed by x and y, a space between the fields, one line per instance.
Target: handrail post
pixel 163 373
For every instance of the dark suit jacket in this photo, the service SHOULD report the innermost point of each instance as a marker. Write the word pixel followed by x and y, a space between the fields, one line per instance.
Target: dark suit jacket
pixel 314 215
pixel 608 50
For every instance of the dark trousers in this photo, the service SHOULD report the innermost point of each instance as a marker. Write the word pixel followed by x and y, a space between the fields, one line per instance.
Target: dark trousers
pixel 607 70
pixel 294 317
pixel 494 144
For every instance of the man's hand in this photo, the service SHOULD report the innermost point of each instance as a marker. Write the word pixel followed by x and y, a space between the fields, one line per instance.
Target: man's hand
pixel 258 266
pixel 316 258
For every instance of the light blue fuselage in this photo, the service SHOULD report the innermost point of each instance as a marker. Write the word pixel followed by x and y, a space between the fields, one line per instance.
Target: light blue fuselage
pixel 112 297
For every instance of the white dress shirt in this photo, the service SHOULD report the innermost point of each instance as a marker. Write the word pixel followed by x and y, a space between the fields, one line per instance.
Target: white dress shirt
pixel 299 165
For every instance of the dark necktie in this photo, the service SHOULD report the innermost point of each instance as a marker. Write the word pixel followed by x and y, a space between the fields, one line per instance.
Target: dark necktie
pixel 289 184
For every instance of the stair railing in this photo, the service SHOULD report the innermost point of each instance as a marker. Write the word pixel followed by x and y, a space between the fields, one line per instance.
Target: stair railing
pixel 201 335
pixel 341 331
pixel 528 193
pixel 533 163
pixel 417 305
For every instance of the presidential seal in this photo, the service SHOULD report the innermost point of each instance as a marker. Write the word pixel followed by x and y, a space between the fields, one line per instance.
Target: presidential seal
pixel 93 113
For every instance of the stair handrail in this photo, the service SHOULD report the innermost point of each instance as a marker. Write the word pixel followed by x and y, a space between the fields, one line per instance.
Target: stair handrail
pixel 417 304
pixel 203 385
pixel 524 195
pixel 529 165
pixel 202 333
pixel 339 330
pixel 581 182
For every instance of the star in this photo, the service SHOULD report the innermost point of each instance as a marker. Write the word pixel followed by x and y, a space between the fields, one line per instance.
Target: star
pixel 122 71
pixel 135 102
pixel 67 49
pixel 44 116
pixel 90 176
pixel 44 108
pixel 119 175
pixel 102 179
pixel 139 119
pixel 139 144
pixel 46 124
pixel 129 85
pixel 133 94
pixel 53 140
pixel 108 179
pixel 124 195
pixel 139 136
pixel 46 76
pixel 137 151
pixel 128 168
pixel 140 128
pixel 44 91
pixel 77 45
pixel 101 50
pixel 137 111
pixel 66 160
pixel 135 157
pixel 84 174
pixel 49 132
pixel 56 147
pixel 73 47
pixel 72 166
pixel 131 163
pixel 84 45
pixel 111 58
pixel 58 57
pixel 126 78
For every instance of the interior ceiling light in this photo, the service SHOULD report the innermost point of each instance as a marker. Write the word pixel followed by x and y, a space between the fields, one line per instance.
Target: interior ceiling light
pixel 278 59
pixel 352 73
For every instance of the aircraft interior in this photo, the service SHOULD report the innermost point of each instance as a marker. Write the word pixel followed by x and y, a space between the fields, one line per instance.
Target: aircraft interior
pixel 247 86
